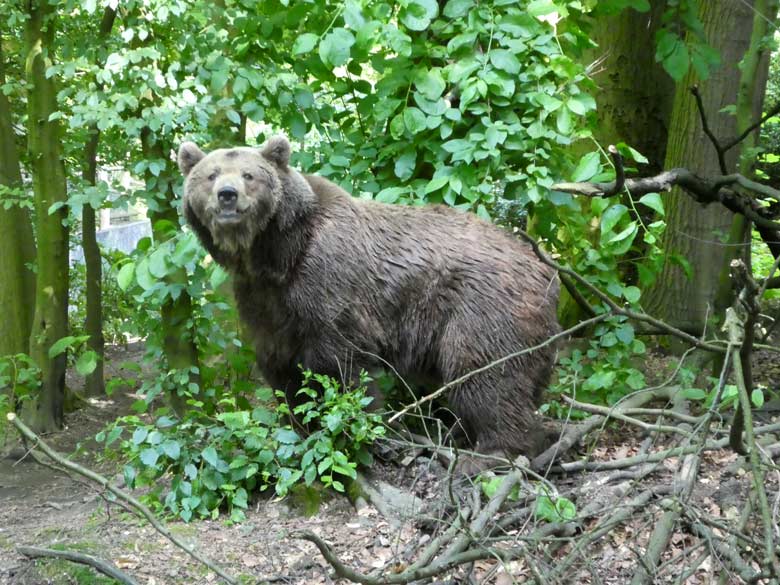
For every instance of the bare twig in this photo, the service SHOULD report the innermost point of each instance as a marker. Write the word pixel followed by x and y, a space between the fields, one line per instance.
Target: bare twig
pixel 140 508
pixel 498 362
pixel 617 309
pixel 99 565
pixel 620 414
pixel 706 128
pixel 682 485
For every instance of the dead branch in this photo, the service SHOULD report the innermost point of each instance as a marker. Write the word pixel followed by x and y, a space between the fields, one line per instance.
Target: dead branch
pixel 736 329
pixel 140 508
pixel 682 486
pixel 622 415
pixel 104 567
pixel 498 362
pixel 615 308
pixel 604 526
pixel 574 433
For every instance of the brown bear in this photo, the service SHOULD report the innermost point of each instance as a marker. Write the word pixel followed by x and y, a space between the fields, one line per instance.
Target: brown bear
pixel 336 284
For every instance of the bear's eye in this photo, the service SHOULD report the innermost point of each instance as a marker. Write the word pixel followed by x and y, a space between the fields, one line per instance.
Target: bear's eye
pixel 248 176
pixel 213 176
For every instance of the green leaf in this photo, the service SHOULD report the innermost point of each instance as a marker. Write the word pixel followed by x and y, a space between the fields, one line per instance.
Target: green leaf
pixel 390 195
pixel 405 165
pixel 625 333
pixel 563 121
pixel 234 420
pixel 335 47
pixel 142 275
pixel 505 60
pixel 418 14
pixel 430 83
pixel 305 43
pixel 87 363
pixel 629 232
pixel 673 55
pixel 436 184
pixel 693 394
pixel 600 380
pixel 581 104
pixel 61 345
pixel 757 397
pixel 414 120
pixel 125 276
pixel 190 471
pixel 210 456
pixel 653 201
pixel 631 153
pixel 287 436
pixel 612 216
pixel 171 448
pixel 139 435
pixel 457 8
pixel 541 7
pixel 149 457
pixel 588 167
pixel 158 262
pixel 632 294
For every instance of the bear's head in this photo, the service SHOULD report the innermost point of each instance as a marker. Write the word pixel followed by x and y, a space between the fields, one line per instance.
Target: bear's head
pixel 234 193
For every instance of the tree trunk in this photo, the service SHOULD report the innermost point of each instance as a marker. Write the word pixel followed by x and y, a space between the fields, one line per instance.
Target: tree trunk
pixel 178 342
pixel 635 93
pixel 634 100
pixel 17 246
pixel 50 321
pixel 701 234
pixel 93 263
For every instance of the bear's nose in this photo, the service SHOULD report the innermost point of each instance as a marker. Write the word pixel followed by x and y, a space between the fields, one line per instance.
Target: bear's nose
pixel 227 195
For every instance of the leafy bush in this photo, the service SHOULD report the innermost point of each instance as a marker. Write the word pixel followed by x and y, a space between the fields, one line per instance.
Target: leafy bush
pixel 20 380
pixel 216 460
pixel 117 309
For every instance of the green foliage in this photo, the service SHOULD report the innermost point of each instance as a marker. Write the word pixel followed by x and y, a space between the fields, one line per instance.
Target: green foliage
pixel 118 310
pixel 555 509
pixel 20 380
pixel 729 396
pixel 681 42
pixel 210 461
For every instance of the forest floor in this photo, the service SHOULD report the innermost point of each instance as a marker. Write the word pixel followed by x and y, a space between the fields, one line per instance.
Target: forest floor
pixel 41 507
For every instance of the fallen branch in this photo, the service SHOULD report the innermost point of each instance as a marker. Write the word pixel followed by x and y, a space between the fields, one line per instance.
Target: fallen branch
pixel 101 566
pixel 621 414
pixel 574 433
pixel 38 443
pixel 682 484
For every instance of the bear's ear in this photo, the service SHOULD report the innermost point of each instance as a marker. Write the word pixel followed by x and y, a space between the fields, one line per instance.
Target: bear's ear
pixel 189 156
pixel 277 150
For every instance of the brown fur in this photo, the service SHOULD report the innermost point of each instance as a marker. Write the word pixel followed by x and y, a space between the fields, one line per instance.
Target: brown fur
pixel 325 280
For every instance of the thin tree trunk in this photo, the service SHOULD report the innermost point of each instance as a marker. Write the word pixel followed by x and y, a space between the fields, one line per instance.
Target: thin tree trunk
pixel 17 246
pixel 50 321
pixel 93 262
pixel 178 342
pixel 701 234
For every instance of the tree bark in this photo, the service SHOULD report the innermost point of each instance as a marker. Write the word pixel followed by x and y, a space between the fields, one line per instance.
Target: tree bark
pixel 701 234
pixel 95 385
pixel 17 246
pixel 635 93
pixel 50 321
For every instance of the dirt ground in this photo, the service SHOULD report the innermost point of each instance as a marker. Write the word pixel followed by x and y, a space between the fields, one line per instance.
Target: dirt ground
pixel 44 508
